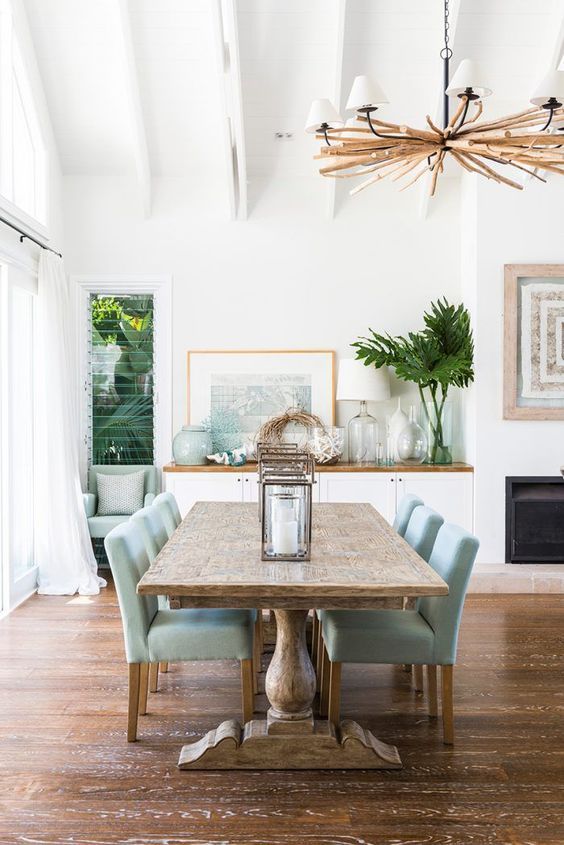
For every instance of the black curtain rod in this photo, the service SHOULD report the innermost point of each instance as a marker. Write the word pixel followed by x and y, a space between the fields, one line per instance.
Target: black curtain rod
pixel 23 235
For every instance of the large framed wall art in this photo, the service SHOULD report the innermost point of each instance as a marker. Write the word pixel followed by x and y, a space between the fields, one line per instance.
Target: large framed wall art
pixel 256 385
pixel 534 342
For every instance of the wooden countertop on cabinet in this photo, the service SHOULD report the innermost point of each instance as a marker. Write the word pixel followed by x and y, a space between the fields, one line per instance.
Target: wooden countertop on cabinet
pixel 340 467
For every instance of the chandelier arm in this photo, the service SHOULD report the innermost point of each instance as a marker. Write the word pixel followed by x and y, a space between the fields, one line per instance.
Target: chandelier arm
pixel 548 122
pixel 327 141
pixel 379 134
pixel 462 118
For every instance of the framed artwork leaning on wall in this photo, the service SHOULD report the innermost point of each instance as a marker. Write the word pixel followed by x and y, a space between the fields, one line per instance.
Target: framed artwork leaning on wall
pixel 533 365
pixel 259 384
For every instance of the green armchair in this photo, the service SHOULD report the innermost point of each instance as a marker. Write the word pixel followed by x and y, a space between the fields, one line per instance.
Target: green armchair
pixel 100 526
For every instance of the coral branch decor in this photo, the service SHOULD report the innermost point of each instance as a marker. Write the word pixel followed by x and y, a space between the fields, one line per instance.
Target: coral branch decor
pixel 380 150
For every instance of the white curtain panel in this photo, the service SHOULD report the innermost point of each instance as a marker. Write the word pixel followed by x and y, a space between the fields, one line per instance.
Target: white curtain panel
pixel 63 547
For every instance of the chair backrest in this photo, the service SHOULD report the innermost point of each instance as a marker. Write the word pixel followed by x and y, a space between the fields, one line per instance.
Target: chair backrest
pixel 405 509
pixel 129 561
pixel 152 528
pixel 170 513
pixel 422 530
pixel 452 558
pixel 151 479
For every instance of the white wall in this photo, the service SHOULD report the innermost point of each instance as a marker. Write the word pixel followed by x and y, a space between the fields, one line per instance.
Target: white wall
pixel 286 278
pixel 510 228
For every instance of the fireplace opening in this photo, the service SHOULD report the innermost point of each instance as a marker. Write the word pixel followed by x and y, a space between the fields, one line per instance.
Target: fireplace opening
pixel 534 524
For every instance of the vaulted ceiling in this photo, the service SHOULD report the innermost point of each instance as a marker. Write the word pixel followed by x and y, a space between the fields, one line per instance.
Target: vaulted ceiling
pixel 180 87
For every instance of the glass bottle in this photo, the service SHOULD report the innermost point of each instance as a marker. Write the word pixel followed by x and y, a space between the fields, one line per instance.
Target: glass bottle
pixel 363 437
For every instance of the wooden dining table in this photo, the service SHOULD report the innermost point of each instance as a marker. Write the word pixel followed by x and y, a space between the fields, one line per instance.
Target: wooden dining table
pixel 213 560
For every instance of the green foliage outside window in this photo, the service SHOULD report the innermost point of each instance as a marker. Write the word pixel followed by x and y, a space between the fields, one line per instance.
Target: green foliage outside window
pixel 122 379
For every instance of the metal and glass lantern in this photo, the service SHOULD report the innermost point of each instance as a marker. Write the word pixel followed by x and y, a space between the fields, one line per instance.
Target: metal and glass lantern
pixel 286 505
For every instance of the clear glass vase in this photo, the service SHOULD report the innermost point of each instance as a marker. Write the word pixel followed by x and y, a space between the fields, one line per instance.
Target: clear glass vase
pixel 436 419
pixel 412 442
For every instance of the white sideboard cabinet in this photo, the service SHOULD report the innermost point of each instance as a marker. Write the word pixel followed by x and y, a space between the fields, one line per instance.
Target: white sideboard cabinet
pixel 449 490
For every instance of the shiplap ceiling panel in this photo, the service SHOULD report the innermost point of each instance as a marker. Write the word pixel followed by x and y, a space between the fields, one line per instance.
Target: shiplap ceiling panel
pixel 77 48
pixel 287 58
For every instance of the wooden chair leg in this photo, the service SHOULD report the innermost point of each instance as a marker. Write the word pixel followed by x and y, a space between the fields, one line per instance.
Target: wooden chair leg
pixel 324 681
pixel 447 689
pixel 133 700
pixel 257 656
pixel 153 677
pixel 163 666
pixel 314 634
pixel 418 678
pixel 319 655
pixel 259 634
pixel 143 688
pixel 432 691
pixel 247 689
pixel 334 708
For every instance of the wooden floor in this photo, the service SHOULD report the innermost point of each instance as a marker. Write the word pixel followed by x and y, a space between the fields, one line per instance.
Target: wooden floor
pixel 68 776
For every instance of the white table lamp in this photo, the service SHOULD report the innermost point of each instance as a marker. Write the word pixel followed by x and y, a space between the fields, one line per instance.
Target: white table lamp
pixel 358 383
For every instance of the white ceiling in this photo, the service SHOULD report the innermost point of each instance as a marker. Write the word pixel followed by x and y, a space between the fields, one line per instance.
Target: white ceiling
pixel 288 56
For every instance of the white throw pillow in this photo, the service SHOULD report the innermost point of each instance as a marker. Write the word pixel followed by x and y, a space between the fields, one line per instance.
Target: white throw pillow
pixel 120 494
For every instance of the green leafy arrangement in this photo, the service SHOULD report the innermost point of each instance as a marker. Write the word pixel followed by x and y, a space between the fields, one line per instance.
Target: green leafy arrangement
pixel 436 358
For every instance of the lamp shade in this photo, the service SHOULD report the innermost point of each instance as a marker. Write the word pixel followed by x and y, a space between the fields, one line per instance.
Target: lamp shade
pixel 469 74
pixel 322 111
pixel 365 92
pixel 358 383
pixel 551 86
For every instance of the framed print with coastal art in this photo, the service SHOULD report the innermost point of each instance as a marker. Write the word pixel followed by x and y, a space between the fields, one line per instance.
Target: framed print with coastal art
pixel 257 385
pixel 534 342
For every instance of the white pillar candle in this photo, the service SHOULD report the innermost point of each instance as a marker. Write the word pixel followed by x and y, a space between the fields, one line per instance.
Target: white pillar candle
pixel 285 538
pixel 283 510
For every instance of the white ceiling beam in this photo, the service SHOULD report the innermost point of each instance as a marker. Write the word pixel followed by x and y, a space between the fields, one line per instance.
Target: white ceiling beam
pixel 425 184
pixel 231 98
pixel 133 95
pixel 339 22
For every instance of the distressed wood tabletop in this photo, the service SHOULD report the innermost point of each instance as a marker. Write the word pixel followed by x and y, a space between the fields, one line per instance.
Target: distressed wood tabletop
pixel 213 560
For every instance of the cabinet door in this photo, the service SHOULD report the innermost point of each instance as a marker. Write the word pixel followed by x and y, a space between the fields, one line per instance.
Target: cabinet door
pixel 250 486
pixel 449 493
pixel 190 487
pixel 376 488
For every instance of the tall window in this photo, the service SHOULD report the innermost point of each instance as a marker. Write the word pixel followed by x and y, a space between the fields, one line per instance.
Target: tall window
pixel 121 379
pixel 23 155
pixel 17 410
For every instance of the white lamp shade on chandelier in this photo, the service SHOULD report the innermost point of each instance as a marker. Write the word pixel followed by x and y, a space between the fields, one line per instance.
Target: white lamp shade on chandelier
pixel 322 112
pixel 358 383
pixel 551 86
pixel 469 74
pixel 365 92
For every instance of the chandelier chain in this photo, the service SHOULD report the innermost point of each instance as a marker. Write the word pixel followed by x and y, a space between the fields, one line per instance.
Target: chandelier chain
pixel 446 52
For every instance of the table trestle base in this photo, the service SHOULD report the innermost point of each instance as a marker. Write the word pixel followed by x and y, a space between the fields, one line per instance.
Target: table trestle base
pixel 325 746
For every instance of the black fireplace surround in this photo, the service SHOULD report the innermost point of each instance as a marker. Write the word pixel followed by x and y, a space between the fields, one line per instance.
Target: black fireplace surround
pixel 534 519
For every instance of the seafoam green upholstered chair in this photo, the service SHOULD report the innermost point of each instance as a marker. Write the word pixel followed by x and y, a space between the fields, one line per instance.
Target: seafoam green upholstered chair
pixel 170 513
pixel 405 509
pixel 426 636
pixel 100 526
pixel 150 523
pixel 153 636
pixel 422 530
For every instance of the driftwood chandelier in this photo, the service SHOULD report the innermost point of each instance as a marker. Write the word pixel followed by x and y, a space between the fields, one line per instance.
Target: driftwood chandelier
pixel 526 141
